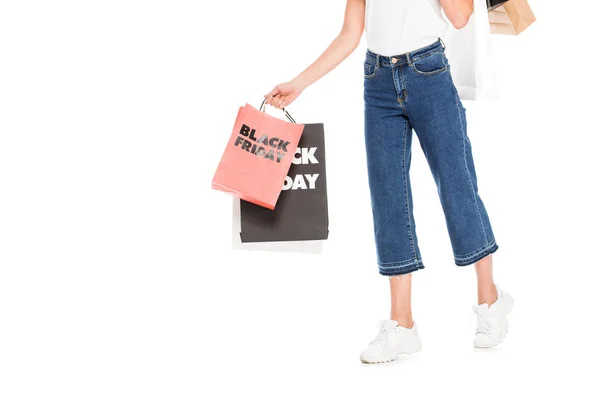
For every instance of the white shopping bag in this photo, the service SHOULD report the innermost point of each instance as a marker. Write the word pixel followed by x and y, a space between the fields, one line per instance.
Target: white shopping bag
pixel 469 53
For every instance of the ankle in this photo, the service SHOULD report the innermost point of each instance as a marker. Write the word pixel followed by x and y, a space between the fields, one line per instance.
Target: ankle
pixel 487 294
pixel 405 322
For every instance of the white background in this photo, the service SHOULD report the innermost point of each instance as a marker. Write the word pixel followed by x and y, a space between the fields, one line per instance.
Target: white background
pixel 117 275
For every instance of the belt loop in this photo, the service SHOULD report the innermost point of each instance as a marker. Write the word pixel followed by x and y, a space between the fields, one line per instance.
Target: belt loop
pixel 378 61
pixel 408 61
pixel 443 44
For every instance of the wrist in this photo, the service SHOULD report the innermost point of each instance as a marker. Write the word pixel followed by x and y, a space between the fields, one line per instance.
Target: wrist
pixel 299 83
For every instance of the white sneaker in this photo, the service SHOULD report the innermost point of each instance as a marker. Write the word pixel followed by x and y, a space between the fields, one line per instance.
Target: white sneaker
pixel 492 324
pixel 391 341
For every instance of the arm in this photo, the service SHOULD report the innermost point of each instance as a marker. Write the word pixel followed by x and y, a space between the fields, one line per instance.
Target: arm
pixel 340 48
pixel 458 11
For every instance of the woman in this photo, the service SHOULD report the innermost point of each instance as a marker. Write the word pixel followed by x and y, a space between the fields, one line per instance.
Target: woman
pixel 407 85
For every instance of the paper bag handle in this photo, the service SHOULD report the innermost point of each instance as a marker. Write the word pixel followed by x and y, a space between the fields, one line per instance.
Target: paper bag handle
pixel 285 113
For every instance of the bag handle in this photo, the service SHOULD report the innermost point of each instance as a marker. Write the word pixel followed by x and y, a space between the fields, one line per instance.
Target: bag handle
pixel 285 113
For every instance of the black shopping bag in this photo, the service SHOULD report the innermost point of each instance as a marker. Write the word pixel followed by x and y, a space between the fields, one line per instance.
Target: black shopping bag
pixel 492 4
pixel 301 210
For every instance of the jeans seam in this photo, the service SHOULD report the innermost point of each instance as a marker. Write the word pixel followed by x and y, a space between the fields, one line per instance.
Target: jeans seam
pixel 476 252
pixel 429 53
pixel 398 95
pixel 395 264
pixel 411 63
pixel 404 91
pixel 480 254
pixel 371 76
pixel 401 270
pixel 406 202
pixel 464 136
pixel 430 73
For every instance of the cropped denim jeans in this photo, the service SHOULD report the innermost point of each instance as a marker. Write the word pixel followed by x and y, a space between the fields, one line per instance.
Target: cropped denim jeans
pixel 415 91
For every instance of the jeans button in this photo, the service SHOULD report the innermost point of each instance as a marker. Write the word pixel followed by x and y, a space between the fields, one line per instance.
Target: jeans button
pixel 394 60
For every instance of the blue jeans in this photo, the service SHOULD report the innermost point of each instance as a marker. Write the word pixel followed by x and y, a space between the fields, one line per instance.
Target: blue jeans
pixel 415 91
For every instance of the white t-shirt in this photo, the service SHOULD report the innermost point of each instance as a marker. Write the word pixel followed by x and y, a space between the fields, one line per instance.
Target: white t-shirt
pixel 396 27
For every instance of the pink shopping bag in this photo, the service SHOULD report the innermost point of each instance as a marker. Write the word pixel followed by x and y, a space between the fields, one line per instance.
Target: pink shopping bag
pixel 257 157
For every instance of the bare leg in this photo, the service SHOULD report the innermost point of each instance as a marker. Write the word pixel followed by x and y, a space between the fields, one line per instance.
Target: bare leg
pixel 486 289
pixel 400 288
pixel 399 335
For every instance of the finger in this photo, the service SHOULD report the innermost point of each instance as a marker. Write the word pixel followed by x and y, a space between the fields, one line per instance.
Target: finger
pixel 277 99
pixel 280 102
pixel 273 92
pixel 274 100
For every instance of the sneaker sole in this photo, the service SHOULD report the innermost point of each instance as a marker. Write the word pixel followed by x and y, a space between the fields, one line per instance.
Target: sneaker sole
pixel 391 359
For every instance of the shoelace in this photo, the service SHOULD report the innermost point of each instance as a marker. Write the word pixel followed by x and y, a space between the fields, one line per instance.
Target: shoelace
pixel 381 337
pixel 483 324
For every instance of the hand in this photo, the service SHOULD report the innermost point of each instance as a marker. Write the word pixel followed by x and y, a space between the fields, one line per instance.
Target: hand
pixel 284 94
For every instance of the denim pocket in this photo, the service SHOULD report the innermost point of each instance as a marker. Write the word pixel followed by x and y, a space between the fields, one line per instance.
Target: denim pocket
pixel 431 64
pixel 370 69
